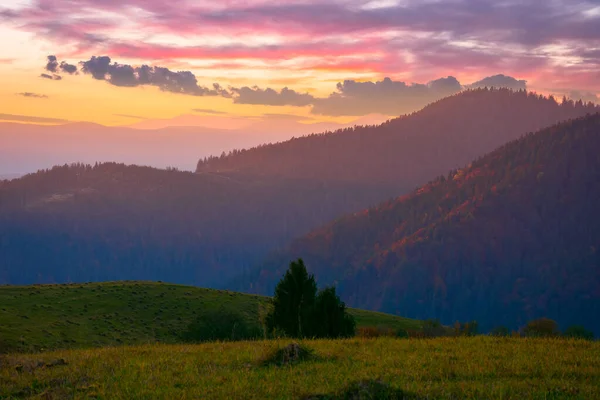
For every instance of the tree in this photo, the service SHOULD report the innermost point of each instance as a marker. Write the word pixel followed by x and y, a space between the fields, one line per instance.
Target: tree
pixel 330 319
pixel 293 302
pixel 579 332
pixel 542 327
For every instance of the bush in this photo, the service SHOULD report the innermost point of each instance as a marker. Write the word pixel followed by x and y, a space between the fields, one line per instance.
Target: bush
pixel 542 327
pixel 289 355
pixel 221 325
pixel 579 332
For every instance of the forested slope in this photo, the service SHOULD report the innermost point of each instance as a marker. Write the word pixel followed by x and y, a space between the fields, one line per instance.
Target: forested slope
pixel 410 150
pixel 513 236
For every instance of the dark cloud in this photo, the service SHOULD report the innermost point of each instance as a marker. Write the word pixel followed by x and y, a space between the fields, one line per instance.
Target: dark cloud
pixel 68 68
pixel 26 118
pixel 385 97
pixel 53 77
pixel 183 82
pixel 32 95
pixel 206 111
pixel 500 81
pixel 52 64
pixel 392 98
pixel 271 97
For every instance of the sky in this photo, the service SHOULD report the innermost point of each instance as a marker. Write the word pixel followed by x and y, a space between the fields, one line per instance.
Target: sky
pixel 223 63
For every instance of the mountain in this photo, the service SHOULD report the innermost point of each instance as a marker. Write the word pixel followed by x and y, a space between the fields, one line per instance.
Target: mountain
pixel 513 236
pixel 28 147
pixel 111 221
pixel 79 223
pixel 410 150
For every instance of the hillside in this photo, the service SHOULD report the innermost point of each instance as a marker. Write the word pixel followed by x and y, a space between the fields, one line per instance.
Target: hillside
pixel 410 150
pixel 513 236
pixel 457 368
pixel 119 313
pixel 116 222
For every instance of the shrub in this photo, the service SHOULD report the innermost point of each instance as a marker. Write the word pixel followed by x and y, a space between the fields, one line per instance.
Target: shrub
pixel 221 325
pixel 579 332
pixel 542 327
pixel 289 355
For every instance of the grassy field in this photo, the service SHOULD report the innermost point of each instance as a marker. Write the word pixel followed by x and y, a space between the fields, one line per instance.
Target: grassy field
pixel 444 368
pixel 43 317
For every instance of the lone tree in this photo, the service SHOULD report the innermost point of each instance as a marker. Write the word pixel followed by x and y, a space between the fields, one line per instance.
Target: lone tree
pixel 293 302
pixel 298 311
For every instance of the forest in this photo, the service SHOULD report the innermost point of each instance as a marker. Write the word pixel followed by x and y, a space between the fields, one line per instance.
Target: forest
pixel 511 237
pixel 80 223
pixel 410 150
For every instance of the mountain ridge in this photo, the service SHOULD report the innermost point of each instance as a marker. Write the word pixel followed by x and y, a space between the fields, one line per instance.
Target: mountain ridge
pixel 476 241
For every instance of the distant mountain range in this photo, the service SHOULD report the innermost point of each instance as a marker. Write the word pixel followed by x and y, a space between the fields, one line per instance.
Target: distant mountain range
pixel 27 147
pixel 111 221
pixel 513 236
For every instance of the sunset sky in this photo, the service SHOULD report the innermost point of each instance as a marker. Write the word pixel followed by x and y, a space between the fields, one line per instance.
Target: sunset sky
pixel 310 61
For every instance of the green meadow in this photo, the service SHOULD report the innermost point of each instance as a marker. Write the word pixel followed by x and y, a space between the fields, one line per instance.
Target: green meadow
pixel 48 317
pixel 443 368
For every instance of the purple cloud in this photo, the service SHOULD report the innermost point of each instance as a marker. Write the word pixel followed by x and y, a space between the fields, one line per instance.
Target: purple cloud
pixel 183 82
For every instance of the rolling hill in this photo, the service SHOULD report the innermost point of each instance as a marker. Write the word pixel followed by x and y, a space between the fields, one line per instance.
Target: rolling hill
pixel 513 236
pixel 47 317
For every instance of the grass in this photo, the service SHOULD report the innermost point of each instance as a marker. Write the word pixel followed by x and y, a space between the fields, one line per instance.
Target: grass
pixel 444 368
pixel 43 317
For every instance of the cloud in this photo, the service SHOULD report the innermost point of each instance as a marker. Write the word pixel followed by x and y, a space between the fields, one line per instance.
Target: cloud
pixel 206 111
pixel 68 68
pixel 32 95
pixel 271 97
pixel 7 60
pixel 385 97
pixel 52 64
pixel 25 118
pixel 53 77
pixel 500 81
pixel 183 82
